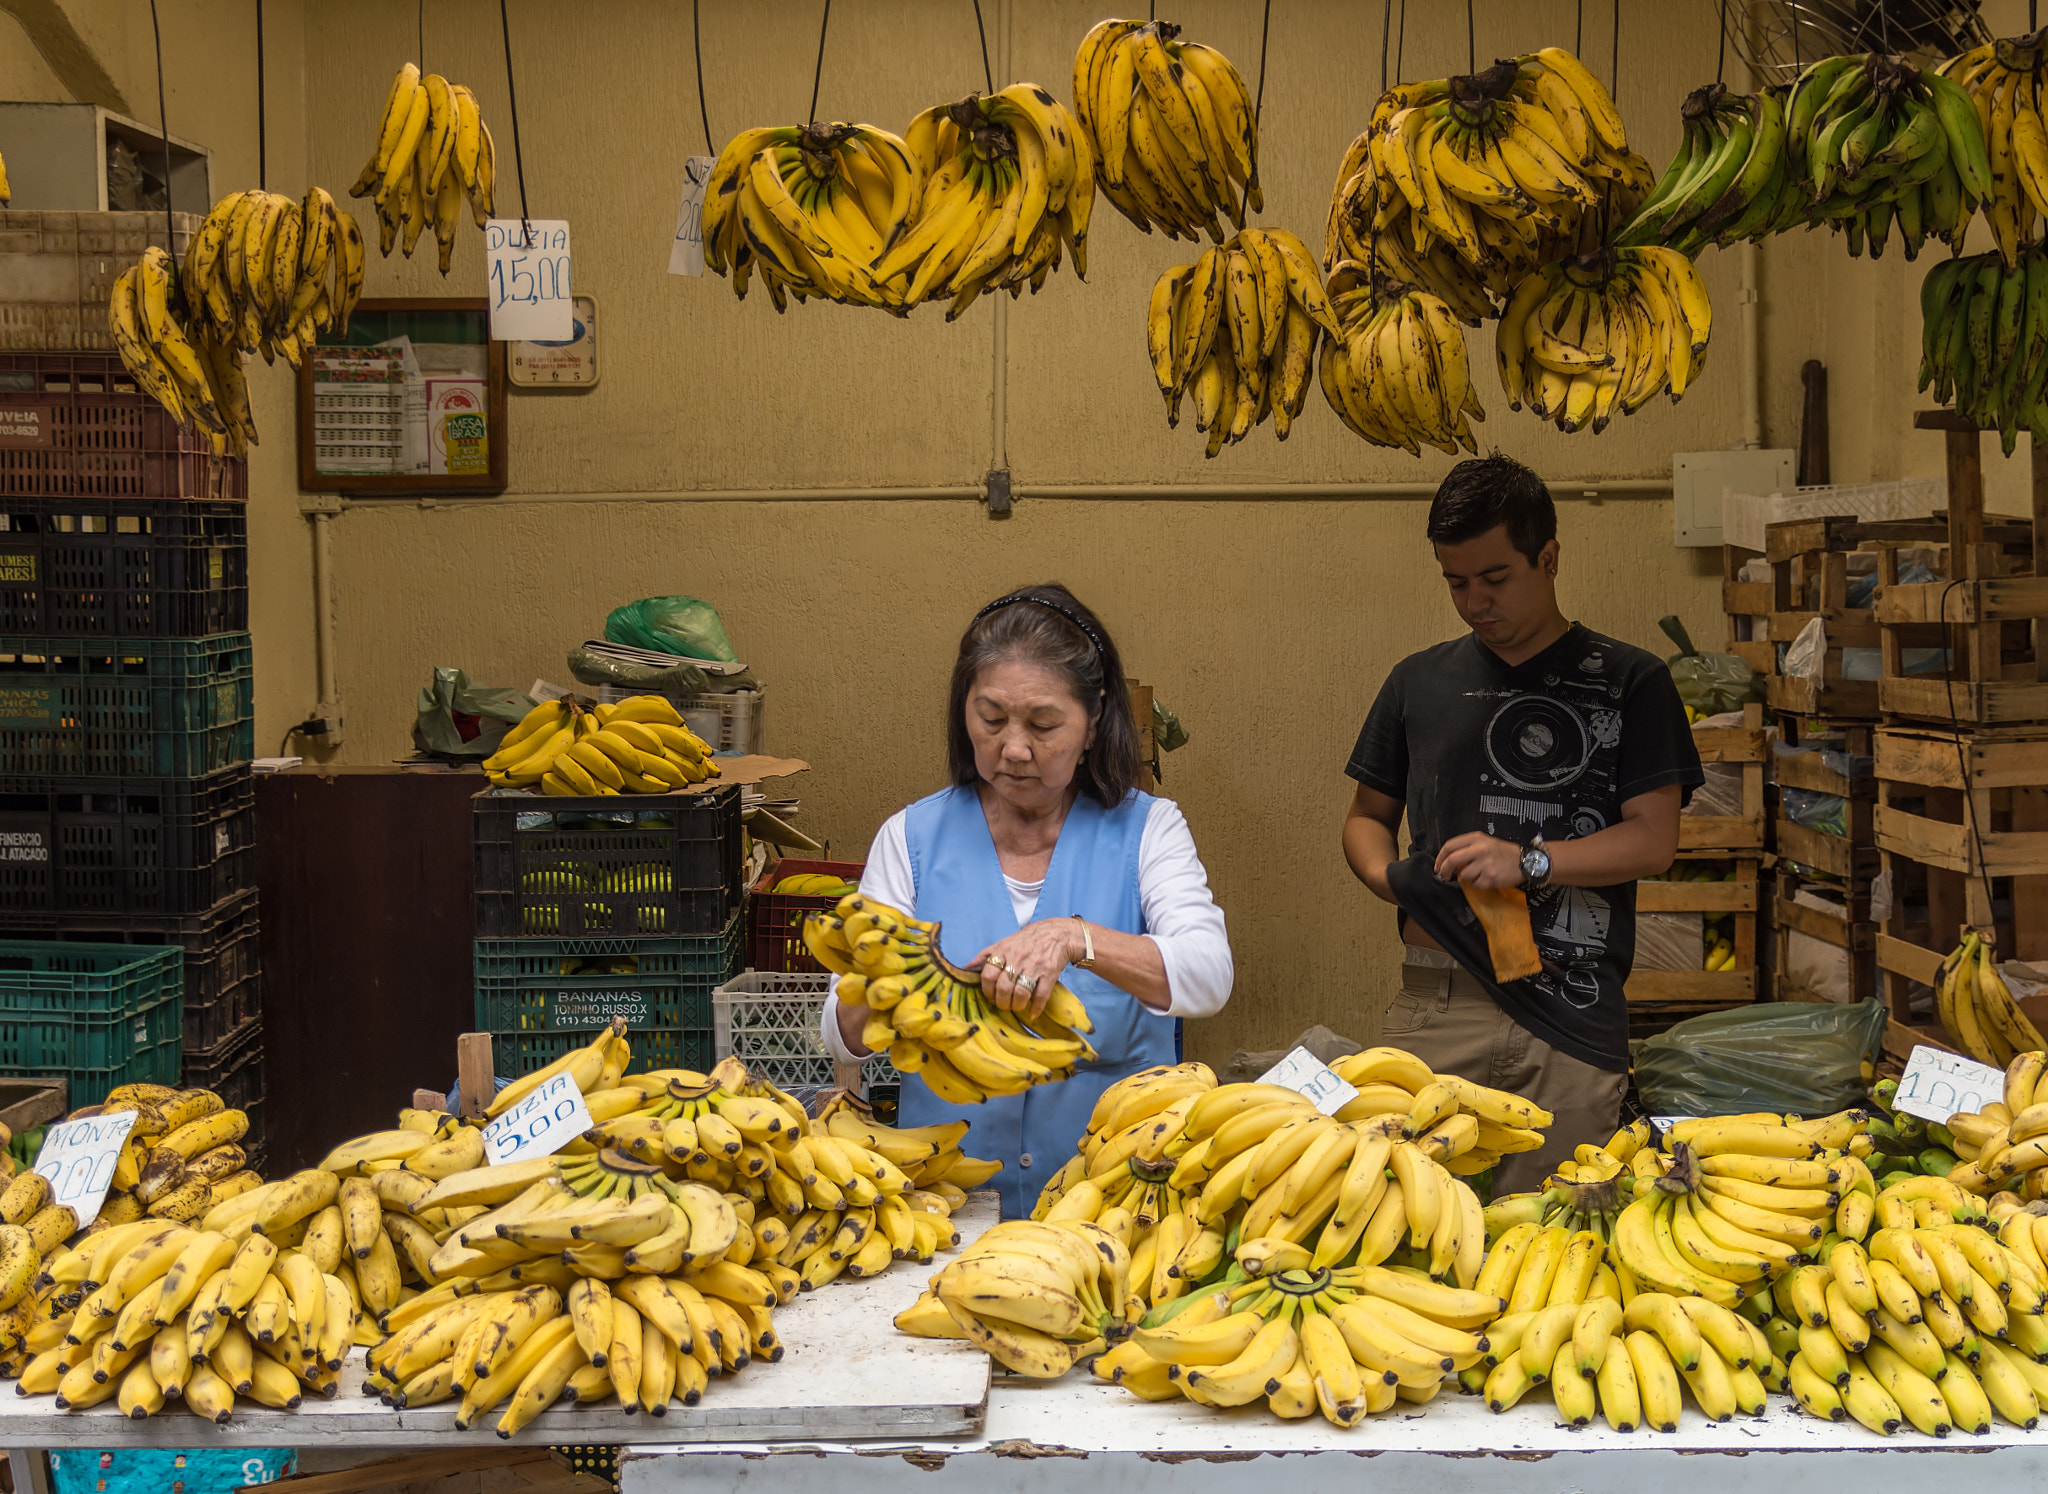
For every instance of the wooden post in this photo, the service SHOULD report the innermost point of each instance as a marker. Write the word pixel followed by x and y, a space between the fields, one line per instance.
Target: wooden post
pixel 1813 425
pixel 1965 473
pixel 475 1072
pixel 2040 475
pixel 428 1099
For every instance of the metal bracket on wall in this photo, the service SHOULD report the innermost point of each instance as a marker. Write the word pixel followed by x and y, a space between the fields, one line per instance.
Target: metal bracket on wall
pixel 998 495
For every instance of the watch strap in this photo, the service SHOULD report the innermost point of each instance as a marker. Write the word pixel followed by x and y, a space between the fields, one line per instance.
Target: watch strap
pixel 1087 960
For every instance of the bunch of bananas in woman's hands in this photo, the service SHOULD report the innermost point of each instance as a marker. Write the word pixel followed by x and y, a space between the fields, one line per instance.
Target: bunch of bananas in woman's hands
pixel 931 1016
pixel 2002 82
pixel 433 148
pixel 637 746
pixel 1398 376
pixel 1171 127
pixel 813 209
pixel 1038 1297
pixel 1239 327
pixel 1604 331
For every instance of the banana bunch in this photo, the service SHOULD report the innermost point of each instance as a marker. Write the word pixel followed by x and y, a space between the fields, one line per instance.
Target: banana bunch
pixel 180 1159
pixel 815 884
pixel 1008 188
pixel 1398 376
pixel 154 1311
pixel 931 1017
pixel 813 208
pixel 1171 128
pixel 6 191
pixel 1971 999
pixel 1905 1145
pixel 2000 1147
pixel 1733 178
pixel 266 274
pixel 173 359
pixel 1037 1297
pixel 1239 326
pixel 433 149
pixel 1604 331
pixel 637 746
pixel 1469 1126
pixel 1506 170
pixel 1344 1342
pixel 2001 84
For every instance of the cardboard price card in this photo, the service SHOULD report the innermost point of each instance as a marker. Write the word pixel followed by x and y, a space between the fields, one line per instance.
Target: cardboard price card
pixel 1309 1077
pixel 526 279
pixel 539 1125
pixel 78 1158
pixel 1937 1085
pixel 686 251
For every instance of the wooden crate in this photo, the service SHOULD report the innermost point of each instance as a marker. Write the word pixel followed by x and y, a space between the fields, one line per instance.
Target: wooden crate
pixel 1704 989
pixel 1748 606
pixel 1853 933
pixel 1747 745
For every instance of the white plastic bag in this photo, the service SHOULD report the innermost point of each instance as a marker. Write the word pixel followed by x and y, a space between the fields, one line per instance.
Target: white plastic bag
pixel 1808 656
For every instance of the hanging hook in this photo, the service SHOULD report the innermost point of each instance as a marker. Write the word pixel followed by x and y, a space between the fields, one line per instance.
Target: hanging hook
pixel 818 75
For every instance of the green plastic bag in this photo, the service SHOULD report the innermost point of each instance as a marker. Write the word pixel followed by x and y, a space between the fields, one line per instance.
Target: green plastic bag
pixel 492 710
pixel 1709 683
pixel 1803 1057
pixel 672 625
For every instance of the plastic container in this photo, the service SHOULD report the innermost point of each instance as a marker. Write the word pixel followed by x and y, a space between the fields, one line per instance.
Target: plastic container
pixel 152 708
pixel 97 1015
pixel 157 847
pixel 768 1020
pixel 538 998
pixel 624 866
pixel 775 939
pixel 75 425
pixel 223 957
pixel 92 567
pixel 730 722
pixel 232 1069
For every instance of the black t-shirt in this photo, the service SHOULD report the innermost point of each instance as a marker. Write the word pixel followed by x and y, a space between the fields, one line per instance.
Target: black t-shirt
pixel 1552 746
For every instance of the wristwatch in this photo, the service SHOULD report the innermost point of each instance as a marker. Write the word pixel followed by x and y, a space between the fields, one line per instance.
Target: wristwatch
pixel 1535 866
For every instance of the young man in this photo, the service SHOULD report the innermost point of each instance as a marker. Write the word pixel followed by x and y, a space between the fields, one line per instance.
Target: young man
pixel 1531 753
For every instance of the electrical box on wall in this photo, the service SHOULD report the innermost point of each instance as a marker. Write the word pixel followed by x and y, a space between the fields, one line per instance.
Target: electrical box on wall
pixel 1699 478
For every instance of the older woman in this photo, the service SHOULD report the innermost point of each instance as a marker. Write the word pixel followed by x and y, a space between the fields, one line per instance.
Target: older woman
pixel 1044 864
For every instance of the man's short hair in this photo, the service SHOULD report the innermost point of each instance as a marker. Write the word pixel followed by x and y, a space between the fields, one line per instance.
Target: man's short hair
pixel 1486 493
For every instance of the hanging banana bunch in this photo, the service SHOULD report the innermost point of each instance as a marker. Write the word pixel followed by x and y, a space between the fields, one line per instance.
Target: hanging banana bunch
pixel 1984 340
pixel 1239 326
pixel 1171 126
pixel 813 208
pixel 2002 83
pixel 1733 178
pixel 266 274
pixel 433 149
pixel 1398 374
pixel 1602 331
pixel 173 358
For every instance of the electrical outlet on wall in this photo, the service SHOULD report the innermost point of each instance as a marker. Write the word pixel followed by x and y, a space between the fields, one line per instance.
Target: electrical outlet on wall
pixel 323 725
pixel 1699 478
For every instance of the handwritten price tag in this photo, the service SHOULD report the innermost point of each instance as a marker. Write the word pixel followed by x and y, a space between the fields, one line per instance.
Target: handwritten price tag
pixel 526 280
pixel 1936 1085
pixel 539 1125
pixel 686 254
pixel 78 1158
pixel 1309 1077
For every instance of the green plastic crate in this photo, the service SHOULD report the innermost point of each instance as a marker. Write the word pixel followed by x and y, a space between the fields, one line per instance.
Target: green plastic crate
pixel 96 1014
pixel 126 707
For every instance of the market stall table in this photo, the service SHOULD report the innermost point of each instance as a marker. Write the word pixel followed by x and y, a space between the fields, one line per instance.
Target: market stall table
pixel 844 1373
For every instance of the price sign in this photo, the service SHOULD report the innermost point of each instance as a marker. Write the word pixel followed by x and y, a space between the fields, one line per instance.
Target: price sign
pixel 1937 1085
pixel 1309 1077
pixel 686 253
pixel 526 279
pixel 539 1125
pixel 78 1158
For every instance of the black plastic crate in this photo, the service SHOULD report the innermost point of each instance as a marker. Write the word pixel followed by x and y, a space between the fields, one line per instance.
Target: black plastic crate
pixel 223 958
pixel 638 866
pixel 232 1069
pixel 123 567
pixel 160 707
pixel 76 424
pixel 150 846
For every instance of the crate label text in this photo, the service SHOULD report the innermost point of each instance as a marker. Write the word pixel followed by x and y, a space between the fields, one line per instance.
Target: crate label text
pixel 78 1158
pixel 28 705
pixel 587 1008
pixel 23 425
pixel 24 845
pixel 539 1125
pixel 17 567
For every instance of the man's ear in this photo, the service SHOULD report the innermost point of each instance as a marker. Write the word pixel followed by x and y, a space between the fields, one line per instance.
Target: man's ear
pixel 1546 560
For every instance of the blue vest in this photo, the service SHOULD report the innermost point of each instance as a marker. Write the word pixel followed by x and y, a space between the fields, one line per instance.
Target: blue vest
pixel 1094 872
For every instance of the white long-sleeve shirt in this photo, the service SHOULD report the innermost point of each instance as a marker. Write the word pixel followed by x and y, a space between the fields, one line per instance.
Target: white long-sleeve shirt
pixel 1181 916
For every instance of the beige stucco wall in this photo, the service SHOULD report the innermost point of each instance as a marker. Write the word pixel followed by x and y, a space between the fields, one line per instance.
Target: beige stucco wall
pixel 1266 624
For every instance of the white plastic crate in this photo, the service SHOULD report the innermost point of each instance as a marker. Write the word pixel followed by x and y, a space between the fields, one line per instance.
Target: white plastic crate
pixel 1744 515
pixel 731 722
pixel 768 1020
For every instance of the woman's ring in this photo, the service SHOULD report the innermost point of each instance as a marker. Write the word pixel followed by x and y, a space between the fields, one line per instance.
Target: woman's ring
pixel 997 961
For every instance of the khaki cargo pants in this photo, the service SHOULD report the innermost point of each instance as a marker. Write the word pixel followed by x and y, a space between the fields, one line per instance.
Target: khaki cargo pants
pixel 1444 1017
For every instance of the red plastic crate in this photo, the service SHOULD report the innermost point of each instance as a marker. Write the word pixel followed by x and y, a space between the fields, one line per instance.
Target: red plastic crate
pixel 76 425
pixel 775 937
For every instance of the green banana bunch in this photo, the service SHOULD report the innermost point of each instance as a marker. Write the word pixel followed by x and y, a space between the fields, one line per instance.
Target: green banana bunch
pixel 1984 340
pixel 1732 178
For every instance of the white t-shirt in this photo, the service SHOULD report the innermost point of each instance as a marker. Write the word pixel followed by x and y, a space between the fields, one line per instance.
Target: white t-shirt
pixel 1181 916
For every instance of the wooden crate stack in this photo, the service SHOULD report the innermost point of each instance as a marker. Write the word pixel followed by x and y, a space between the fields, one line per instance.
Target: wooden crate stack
pixel 1961 816
pixel 1737 839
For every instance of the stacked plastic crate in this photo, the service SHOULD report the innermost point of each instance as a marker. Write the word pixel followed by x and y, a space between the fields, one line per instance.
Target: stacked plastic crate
pixel 589 909
pixel 126 719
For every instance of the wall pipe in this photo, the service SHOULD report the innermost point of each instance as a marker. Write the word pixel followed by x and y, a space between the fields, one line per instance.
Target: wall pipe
pixel 323 605
pixel 997 494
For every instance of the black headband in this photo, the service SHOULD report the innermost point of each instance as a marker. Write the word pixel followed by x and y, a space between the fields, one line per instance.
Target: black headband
pixel 1101 653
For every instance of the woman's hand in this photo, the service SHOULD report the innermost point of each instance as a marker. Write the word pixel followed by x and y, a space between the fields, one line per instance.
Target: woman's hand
pixel 1018 973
